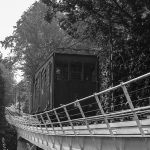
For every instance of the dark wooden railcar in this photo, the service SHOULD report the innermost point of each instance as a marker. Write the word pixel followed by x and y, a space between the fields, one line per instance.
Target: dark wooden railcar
pixel 62 79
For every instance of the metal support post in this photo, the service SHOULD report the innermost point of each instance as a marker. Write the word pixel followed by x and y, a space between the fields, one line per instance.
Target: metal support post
pixel 31 124
pixel 51 123
pixel 39 123
pixel 44 123
pixel 61 126
pixel 106 121
pixel 134 114
pixel 87 124
pixel 69 119
pixel 24 123
pixel 59 121
pixel 36 123
pixel 52 128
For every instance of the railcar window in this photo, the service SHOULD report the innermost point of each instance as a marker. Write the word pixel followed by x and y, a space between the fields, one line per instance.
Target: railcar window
pixel 50 78
pixel 89 72
pixel 37 88
pixel 76 71
pixel 62 71
pixel 43 82
pixel 47 76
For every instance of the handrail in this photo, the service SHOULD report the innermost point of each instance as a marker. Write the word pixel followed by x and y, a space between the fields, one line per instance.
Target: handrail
pixel 44 120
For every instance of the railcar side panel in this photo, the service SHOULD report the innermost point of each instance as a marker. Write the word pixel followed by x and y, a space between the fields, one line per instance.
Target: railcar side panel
pixel 42 87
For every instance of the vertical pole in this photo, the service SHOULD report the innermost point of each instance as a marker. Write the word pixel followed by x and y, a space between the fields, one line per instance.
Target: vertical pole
pixel 51 123
pixel 106 121
pixel 61 127
pixel 36 123
pixel 39 123
pixel 59 121
pixel 52 128
pixel 87 124
pixel 30 123
pixel 134 114
pixel 44 123
pixel 27 122
pixel 69 119
pixel 111 54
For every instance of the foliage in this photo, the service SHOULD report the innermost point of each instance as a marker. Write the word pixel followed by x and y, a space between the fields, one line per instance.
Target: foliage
pixel 7 133
pixel 2 98
pixel 23 95
pixel 33 39
pixel 122 23
pixel 32 42
pixel 129 20
pixel 8 76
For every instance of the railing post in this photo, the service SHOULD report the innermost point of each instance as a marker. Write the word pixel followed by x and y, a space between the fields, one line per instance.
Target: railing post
pixel 25 122
pixel 51 123
pixel 36 124
pixel 59 121
pixel 61 126
pixel 52 128
pixel 70 121
pixel 106 121
pixel 39 123
pixel 44 123
pixel 31 124
pixel 87 124
pixel 134 113
pixel 28 123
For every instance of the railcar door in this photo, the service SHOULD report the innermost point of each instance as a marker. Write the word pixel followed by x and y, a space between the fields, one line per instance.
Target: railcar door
pixel 36 102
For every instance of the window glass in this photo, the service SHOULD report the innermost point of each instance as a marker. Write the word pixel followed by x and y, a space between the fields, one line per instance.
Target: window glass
pixel 62 71
pixel 47 76
pixel 50 77
pixel 76 71
pixel 43 82
pixel 89 72
pixel 37 88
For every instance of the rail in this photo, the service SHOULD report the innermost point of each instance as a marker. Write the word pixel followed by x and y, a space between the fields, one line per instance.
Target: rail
pixel 99 108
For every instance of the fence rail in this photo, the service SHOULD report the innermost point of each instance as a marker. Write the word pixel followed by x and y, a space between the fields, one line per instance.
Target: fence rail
pixel 130 102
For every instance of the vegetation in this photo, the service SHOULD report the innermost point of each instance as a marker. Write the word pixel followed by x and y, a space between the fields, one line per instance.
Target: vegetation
pixel 119 27
pixel 125 22
pixel 114 27
pixel 32 42
pixel 7 132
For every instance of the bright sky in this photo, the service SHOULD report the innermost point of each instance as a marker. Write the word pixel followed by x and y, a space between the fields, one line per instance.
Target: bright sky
pixel 10 13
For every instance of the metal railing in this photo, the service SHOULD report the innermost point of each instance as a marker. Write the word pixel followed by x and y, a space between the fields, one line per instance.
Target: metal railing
pixel 92 110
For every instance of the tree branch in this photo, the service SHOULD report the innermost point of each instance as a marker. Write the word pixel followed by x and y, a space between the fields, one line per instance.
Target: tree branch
pixel 127 14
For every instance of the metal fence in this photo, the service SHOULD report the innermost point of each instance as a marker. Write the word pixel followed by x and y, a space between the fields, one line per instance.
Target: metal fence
pixel 115 104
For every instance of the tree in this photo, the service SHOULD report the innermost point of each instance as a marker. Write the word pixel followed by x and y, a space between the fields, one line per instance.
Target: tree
pixel 8 76
pixel 128 20
pixel 33 39
pixel 120 24
pixel 7 132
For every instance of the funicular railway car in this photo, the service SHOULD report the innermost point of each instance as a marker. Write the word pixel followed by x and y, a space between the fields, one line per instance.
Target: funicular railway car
pixel 62 79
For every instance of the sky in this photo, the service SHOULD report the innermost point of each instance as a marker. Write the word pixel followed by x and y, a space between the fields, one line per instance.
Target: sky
pixel 10 12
